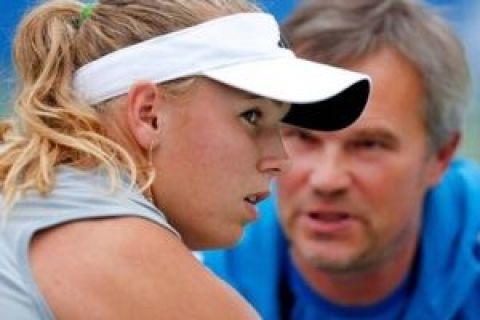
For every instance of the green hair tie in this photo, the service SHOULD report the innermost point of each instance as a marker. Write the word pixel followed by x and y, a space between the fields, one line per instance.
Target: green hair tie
pixel 86 13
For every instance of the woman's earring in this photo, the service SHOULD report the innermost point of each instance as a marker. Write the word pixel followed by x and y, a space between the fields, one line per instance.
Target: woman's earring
pixel 151 174
pixel 150 154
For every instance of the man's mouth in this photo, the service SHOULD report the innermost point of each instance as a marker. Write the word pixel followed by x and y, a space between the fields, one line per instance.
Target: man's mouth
pixel 329 216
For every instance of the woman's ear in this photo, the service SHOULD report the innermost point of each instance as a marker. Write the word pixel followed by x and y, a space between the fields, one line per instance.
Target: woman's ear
pixel 144 101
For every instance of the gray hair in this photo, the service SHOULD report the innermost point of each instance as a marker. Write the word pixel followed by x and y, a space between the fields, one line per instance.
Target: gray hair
pixel 338 31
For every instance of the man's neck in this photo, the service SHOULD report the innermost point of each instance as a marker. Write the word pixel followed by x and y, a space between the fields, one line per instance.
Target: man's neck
pixel 360 287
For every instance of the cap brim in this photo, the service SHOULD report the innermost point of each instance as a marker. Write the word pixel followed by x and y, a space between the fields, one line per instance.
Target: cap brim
pixel 322 97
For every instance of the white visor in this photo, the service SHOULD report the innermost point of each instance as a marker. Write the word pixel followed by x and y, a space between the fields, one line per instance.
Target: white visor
pixel 244 51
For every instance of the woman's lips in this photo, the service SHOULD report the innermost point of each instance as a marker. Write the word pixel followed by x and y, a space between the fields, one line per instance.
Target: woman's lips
pixel 251 202
pixel 257 197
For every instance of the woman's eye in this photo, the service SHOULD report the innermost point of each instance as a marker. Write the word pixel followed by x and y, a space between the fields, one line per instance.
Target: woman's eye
pixel 252 116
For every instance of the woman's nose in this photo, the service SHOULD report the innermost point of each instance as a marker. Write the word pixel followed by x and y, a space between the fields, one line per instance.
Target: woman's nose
pixel 274 160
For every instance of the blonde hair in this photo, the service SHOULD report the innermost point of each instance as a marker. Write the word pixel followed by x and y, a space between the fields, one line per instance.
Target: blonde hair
pixel 50 125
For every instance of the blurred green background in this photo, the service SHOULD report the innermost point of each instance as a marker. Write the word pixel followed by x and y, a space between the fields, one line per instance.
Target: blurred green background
pixel 464 15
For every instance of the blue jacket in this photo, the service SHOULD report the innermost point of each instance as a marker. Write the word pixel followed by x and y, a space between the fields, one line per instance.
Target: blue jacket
pixel 448 272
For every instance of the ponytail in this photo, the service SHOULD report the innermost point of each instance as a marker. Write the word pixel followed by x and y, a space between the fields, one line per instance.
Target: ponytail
pixel 51 125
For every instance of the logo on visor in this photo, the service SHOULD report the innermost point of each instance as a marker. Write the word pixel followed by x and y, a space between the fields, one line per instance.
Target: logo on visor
pixel 283 43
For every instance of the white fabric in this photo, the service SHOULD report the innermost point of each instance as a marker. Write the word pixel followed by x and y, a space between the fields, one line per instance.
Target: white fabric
pixel 240 50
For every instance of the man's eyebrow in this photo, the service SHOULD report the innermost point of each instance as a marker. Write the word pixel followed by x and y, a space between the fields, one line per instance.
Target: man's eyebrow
pixel 377 132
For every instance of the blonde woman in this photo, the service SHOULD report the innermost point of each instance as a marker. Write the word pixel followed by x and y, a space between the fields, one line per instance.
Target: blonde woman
pixel 143 130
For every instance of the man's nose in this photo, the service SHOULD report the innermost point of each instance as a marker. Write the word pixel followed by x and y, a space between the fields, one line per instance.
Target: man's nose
pixel 329 172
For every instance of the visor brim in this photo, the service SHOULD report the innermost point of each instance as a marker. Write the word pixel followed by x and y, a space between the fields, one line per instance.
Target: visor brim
pixel 322 97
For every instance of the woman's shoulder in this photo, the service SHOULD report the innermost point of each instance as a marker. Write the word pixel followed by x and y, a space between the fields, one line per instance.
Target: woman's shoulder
pixel 82 195
pixel 126 268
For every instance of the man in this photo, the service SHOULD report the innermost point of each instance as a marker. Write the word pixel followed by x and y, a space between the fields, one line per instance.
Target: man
pixel 374 221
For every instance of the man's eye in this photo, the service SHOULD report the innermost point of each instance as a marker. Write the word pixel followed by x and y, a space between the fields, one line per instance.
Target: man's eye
pixel 305 136
pixel 252 116
pixel 369 144
pixel 299 135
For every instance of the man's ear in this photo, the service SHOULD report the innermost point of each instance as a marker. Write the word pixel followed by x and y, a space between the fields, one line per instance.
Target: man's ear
pixel 443 157
pixel 144 101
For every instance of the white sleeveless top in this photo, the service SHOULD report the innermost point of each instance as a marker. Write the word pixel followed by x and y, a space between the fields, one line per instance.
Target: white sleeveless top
pixel 78 195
